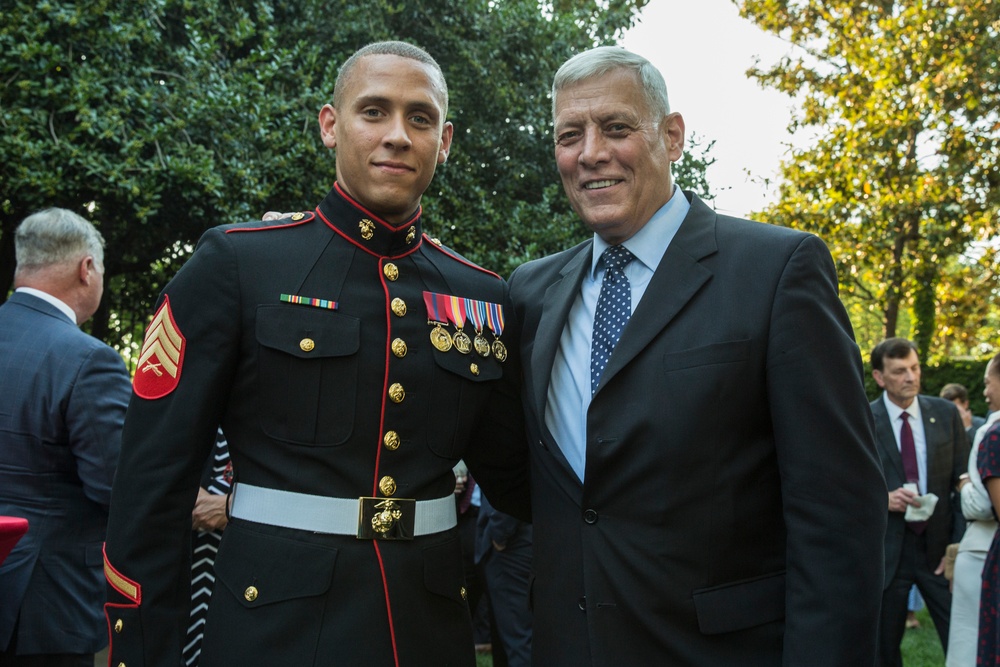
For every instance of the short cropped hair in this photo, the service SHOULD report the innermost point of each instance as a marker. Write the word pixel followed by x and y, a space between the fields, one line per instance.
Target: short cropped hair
pixel 891 348
pixel 391 48
pixel 953 391
pixel 597 62
pixel 54 236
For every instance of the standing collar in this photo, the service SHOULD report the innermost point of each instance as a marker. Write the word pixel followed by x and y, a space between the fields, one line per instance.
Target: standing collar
pixel 365 229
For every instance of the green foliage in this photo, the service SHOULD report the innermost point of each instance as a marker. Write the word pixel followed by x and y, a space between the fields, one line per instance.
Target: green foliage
pixel 902 180
pixel 934 376
pixel 160 118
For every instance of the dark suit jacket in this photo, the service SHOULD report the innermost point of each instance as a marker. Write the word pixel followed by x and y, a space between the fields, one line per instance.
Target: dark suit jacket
pixel 947 458
pixel 733 509
pixel 62 402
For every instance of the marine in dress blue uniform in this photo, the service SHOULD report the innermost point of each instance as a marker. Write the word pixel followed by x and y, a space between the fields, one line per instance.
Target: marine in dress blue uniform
pixel 309 340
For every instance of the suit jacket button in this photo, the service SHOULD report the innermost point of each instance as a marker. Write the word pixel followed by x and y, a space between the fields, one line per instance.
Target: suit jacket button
pixel 582 603
pixel 590 516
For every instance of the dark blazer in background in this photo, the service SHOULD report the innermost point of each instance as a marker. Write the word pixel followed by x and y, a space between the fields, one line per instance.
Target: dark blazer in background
pixel 63 396
pixel 733 509
pixel 947 458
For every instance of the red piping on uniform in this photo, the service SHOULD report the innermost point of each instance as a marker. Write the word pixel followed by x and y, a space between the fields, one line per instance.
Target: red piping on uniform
pixel 375 217
pixel 378 458
pixel 388 607
pixel 460 260
pixel 358 245
pixel 295 223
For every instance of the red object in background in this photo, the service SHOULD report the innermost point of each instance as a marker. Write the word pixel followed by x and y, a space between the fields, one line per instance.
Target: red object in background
pixel 11 530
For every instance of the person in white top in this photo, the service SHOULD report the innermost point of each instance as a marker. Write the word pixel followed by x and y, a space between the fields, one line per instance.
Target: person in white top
pixel 978 510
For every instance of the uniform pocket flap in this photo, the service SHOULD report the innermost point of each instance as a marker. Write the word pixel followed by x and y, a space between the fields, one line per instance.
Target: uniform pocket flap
pixel 740 605
pixel 306 333
pixel 472 366
pixel 269 569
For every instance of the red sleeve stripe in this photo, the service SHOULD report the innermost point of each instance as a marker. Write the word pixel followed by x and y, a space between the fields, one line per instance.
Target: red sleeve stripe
pixel 123 585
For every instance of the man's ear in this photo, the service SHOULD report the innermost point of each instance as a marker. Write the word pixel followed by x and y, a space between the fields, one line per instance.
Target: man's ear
pixel 673 129
pixel 878 378
pixel 447 133
pixel 84 268
pixel 327 125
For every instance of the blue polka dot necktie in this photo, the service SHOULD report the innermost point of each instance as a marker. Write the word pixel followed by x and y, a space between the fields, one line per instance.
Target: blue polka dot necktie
pixel 614 307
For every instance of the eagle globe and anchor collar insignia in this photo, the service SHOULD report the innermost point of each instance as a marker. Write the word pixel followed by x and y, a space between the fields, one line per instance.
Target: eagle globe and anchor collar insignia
pixel 444 310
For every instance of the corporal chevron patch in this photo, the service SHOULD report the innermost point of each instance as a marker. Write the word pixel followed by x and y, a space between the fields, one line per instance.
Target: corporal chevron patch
pixel 162 356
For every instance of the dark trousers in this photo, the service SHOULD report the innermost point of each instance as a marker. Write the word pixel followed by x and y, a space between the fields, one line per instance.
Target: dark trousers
pixel 9 658
pixel 913 569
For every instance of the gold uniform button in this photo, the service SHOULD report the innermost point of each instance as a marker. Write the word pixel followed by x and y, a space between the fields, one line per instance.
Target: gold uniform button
pixel 387 485
pixel 391 440
pixel 298 216
pixel 250 593
pixel 474 368
pixel 398 307
pixel 390 271
pixel 121 664
pixel 396 393
pixel 118 626
pixel 307 344
pixel 464 593
pixel 399 347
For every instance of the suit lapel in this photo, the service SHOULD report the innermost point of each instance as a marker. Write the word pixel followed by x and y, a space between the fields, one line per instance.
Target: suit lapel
pixel 556 304
pixel 938 458
pixel 886 438
pixel 677 279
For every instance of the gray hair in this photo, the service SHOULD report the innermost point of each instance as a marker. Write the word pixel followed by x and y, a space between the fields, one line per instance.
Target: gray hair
pixel 391 48
pixel 53 236
pixel 605 59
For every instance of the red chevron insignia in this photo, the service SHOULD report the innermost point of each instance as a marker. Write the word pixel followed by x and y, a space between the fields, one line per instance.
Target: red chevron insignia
pixel 162 356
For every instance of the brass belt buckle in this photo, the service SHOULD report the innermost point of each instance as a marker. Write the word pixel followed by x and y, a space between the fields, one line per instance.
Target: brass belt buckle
pixel 386 518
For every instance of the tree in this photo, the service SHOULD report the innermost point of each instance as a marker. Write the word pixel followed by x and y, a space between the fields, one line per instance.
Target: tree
pixel 158 121
pixel 902 181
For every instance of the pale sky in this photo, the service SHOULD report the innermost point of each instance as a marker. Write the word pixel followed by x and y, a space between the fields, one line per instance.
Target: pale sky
pixel 703 48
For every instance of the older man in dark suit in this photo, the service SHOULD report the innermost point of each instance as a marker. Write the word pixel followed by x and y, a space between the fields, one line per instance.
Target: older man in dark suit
pixel 923 448
pixel 63 396
pixel 705 490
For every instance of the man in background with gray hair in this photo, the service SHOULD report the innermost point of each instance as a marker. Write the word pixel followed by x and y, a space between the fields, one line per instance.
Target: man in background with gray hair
pixel 63 396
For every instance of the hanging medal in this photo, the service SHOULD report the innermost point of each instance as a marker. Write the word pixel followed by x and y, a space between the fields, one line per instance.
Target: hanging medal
pixel 456 313
pixel 440 338
pixel 494 318
pixel 477 313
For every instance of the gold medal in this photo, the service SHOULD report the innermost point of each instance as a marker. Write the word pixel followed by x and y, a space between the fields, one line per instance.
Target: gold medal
pixel 462 342
pixel 440 339
pixel 499 350
pixel 482 345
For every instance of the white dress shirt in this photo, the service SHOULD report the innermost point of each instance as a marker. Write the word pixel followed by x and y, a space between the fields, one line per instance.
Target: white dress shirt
pixel 919 439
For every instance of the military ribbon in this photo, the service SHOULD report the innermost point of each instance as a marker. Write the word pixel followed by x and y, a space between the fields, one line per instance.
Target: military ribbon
pixel 309 301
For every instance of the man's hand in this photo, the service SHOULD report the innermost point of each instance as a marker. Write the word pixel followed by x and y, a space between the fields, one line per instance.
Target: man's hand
pixel 275 215
pixel 901 498
pixel 209 512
